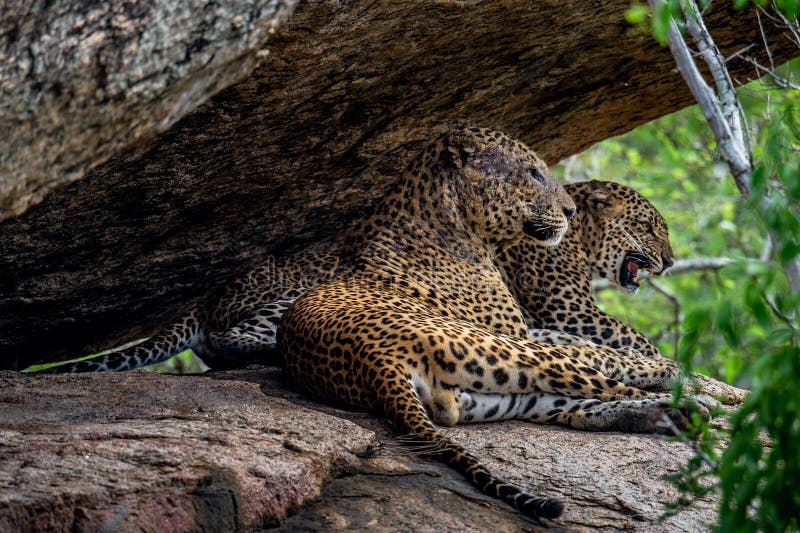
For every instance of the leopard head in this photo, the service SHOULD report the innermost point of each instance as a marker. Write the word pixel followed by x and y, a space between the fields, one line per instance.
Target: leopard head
pixel 508 193
pixel 626 235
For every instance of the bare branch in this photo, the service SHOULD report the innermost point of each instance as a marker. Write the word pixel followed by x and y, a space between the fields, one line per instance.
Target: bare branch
pixel 699 263
pixel 733 154
pixel 677 313
pixel 681 266
pixel 668 294
pixel 717 109
pixel 739 52
pixel 793 27
pixel 764 38
pixel 778 81
pixel 728 102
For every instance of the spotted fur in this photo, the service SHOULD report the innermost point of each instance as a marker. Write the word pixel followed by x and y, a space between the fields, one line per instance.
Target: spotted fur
pixel 419 322
pixel 551 283
pixel 422 327
pixel 226 330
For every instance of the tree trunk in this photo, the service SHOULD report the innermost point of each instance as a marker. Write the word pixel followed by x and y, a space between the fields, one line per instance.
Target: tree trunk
pixel 344 94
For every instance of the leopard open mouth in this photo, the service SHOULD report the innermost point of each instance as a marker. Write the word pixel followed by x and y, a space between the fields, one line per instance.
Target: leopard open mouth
pixel 634 267
pixel 541 232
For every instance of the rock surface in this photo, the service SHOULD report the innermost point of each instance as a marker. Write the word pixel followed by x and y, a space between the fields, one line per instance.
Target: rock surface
pixel 81 80
pixel 344 94
pixel 147 452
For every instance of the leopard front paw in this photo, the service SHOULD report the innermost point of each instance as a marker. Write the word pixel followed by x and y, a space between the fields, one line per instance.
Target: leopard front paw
pixel 727 394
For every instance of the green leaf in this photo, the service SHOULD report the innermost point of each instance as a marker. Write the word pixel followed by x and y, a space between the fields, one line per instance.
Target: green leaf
pixel 759 177
pixel 723 320
pixel 788 251
pixel 758 307
pixel 636 14
pixel 661 22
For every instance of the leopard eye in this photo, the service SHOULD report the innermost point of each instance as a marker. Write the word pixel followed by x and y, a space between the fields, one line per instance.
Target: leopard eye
pixel 538 176
pixel 648 227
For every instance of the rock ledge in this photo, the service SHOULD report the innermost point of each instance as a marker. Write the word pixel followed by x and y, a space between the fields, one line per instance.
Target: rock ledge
pixel 142 451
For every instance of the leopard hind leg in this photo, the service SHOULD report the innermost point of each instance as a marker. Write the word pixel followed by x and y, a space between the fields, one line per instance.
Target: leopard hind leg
pixel 252 340
pixel 404 408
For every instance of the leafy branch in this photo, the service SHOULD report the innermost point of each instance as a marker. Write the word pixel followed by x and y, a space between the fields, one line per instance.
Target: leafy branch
pixel 758 484
pixel 722 109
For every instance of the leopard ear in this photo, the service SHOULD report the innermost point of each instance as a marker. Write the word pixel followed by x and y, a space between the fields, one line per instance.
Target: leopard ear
pixel 458 150
pixel 456 156
pixel 598 200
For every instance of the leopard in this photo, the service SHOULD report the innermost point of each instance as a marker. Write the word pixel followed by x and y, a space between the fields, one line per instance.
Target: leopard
pixel 420 325
pixel 616 234
pixel 508 375
pixel 229 328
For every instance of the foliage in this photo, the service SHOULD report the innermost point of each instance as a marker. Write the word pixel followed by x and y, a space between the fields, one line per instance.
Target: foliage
pixel 739 323
pixel 639 13
pixel 185 362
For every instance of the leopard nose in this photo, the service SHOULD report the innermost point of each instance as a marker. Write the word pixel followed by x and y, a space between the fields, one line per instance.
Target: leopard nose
pixel 569 212
pixel 667 261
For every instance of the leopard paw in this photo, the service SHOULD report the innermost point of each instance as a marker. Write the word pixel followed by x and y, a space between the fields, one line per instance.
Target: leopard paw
pixel 727 394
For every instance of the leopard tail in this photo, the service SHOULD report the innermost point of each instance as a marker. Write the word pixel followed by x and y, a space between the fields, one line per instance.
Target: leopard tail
pixel 411 421
pixel 182 334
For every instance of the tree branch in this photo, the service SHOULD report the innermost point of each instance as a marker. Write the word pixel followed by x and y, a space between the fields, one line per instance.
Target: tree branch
pixel 728 102
pixel 792 27
pixel 681 266
pixel 733 154
pixel 699 263
pixel 677 314
pixel 724 124
pixel 777 81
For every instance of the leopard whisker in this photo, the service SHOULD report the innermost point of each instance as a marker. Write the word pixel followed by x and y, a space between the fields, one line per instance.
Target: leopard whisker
pixel 631 238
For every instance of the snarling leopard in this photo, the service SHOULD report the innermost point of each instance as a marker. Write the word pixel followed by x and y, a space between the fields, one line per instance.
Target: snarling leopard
pixel 617 235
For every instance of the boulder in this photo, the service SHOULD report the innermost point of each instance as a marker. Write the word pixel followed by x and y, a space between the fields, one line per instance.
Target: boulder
pixel 81 80
pixel 239 450
pixel 325 113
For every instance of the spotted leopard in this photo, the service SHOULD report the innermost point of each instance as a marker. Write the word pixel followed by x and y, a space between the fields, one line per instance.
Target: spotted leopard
pixel 396 331
pixel 615 234
pixel 438 231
